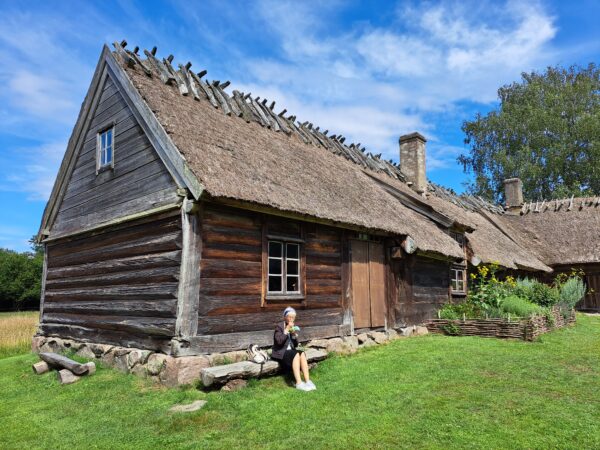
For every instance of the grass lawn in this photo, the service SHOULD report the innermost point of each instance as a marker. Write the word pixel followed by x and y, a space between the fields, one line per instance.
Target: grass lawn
pixel 428 392
pixel 16 330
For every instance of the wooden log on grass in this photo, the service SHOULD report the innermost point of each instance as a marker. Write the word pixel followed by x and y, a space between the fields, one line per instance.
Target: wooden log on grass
pixel 40 367
pixel 56 360
pixel 218 375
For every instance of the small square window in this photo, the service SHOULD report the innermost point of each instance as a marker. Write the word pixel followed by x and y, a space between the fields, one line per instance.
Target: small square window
pixel 283 268
pixel 105 148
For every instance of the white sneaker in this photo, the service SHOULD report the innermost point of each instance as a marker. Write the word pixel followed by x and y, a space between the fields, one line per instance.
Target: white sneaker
pixel 303 386
pixel 310 385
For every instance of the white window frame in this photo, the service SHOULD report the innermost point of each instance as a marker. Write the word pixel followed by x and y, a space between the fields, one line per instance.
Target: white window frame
pixel 101 150
pixel 454 279
pixel 284 269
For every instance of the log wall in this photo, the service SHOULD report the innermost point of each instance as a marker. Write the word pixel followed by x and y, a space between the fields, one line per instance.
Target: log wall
pixel 231 284
pixel 138 182
pixel 423 287
pixel 118 286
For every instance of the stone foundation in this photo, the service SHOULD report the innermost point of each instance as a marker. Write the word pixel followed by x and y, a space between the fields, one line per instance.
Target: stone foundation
pixel 174 371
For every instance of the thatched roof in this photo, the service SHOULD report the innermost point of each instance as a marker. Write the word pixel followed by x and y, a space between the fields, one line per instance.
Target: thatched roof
pixel 560 231
pixel 239 148
pixel 248 159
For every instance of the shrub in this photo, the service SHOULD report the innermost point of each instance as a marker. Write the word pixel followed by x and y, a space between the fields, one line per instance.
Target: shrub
pixel 543 295
pixel 571 292
pixel 519 307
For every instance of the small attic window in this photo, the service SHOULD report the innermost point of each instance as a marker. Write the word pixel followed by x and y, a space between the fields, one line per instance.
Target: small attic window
pixel 105 145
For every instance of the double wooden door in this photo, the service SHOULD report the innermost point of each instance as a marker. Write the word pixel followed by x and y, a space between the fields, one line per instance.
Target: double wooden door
pixel 591 301
pixel 368 283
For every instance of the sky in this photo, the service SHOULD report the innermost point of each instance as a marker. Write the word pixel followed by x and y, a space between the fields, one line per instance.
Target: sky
pixel 371 71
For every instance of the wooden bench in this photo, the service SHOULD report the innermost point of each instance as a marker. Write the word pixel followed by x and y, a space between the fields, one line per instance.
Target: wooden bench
pixel 219 375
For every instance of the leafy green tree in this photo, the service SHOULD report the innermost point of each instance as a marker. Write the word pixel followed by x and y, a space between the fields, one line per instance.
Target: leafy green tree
pixel 546 131
pixel 21 278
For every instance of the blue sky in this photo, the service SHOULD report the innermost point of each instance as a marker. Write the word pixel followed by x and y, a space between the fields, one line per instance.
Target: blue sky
pixel 369 70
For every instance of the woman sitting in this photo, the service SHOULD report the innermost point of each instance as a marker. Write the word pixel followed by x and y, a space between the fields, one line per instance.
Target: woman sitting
pixel 284 351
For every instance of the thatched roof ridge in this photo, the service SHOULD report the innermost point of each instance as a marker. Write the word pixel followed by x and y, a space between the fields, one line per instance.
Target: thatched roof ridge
pixel 560 231
pixel 248 161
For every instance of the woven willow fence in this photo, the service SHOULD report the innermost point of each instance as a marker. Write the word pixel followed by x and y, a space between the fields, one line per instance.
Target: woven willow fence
pixel 526 329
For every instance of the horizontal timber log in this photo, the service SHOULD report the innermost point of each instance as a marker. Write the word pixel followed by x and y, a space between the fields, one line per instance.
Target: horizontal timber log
pixel 219 375
pixel 112 337
pixel 144 326
pixel 227 286
pixel 142 262
pixel 146 308
pixel 225 268
pixel 231 323
pixel 140 246
pixel 196 345
pixel 131 277
pixel 144 292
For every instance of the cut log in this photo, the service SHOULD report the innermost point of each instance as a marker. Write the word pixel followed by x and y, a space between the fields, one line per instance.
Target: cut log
pixel 91 366
pixel 67 377
pixel 247 369
pixel 56 360
pixel 40 367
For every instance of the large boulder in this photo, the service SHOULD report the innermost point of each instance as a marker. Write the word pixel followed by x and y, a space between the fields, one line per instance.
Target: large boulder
pixel 85 352
pixel 156 363
pixel 378 336
pixel 183 370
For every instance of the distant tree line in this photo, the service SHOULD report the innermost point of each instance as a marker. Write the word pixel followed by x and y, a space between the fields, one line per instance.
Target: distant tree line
pixel 21 278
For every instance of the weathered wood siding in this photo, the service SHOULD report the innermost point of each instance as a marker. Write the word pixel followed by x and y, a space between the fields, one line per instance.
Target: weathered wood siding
pixel 424 288
pixel 118 286
pixel 231 273
pixel 138 182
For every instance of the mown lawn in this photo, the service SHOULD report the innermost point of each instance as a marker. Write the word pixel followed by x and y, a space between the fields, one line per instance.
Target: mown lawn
pixel 16 331
pixel 428 392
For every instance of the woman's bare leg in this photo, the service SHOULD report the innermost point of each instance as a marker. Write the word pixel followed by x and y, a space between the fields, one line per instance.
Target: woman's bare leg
pixel 296 368
pixel 304 366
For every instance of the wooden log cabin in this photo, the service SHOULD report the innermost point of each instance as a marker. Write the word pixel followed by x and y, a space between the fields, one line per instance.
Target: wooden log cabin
pixel 185 217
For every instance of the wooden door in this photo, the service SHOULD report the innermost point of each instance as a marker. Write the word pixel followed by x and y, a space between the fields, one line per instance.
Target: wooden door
pixel 377 284
pixel 361 305
pixel 368 284
pixel 592 300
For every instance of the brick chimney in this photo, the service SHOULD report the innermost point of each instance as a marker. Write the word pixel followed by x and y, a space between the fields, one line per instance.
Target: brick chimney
pixel 412 160
pixel 513 194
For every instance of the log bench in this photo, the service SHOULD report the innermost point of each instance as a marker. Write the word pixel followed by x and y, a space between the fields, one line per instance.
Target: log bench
pixel 218 375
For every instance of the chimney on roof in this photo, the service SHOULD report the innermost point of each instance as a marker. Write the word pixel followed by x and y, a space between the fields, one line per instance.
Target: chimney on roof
pixel 513 194
pixel 412 160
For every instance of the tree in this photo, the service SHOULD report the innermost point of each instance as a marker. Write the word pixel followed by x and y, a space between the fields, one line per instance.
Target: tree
pixel 545 131
pixel 21 278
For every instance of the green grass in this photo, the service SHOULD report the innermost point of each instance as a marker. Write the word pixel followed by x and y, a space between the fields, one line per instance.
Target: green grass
pixel 428 392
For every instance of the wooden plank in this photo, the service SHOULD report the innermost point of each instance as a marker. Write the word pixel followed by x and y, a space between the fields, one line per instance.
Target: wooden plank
pixel 238 341
pixel 319 271
pixel 323 287
pixel 231 323
pixel 361 308
pixel 145 276
pixel 218 375
pixel 144 326
pixel 227 218
pixel 226 268
pixel 212 235
pixel 144 292
pixel 188 293
pixel 241 252
pixel 377 284
pixel 134 247
pixel 146 308
pixel 130 231
pixel 229 286
pixel 112 337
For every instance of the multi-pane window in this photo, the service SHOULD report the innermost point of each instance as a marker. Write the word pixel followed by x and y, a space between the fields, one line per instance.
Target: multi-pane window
pixel 105 148
pixel 460 238
pixel 284 268
pixel 458 279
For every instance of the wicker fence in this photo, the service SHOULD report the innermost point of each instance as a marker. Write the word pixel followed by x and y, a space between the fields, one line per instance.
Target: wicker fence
pixel 526 329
